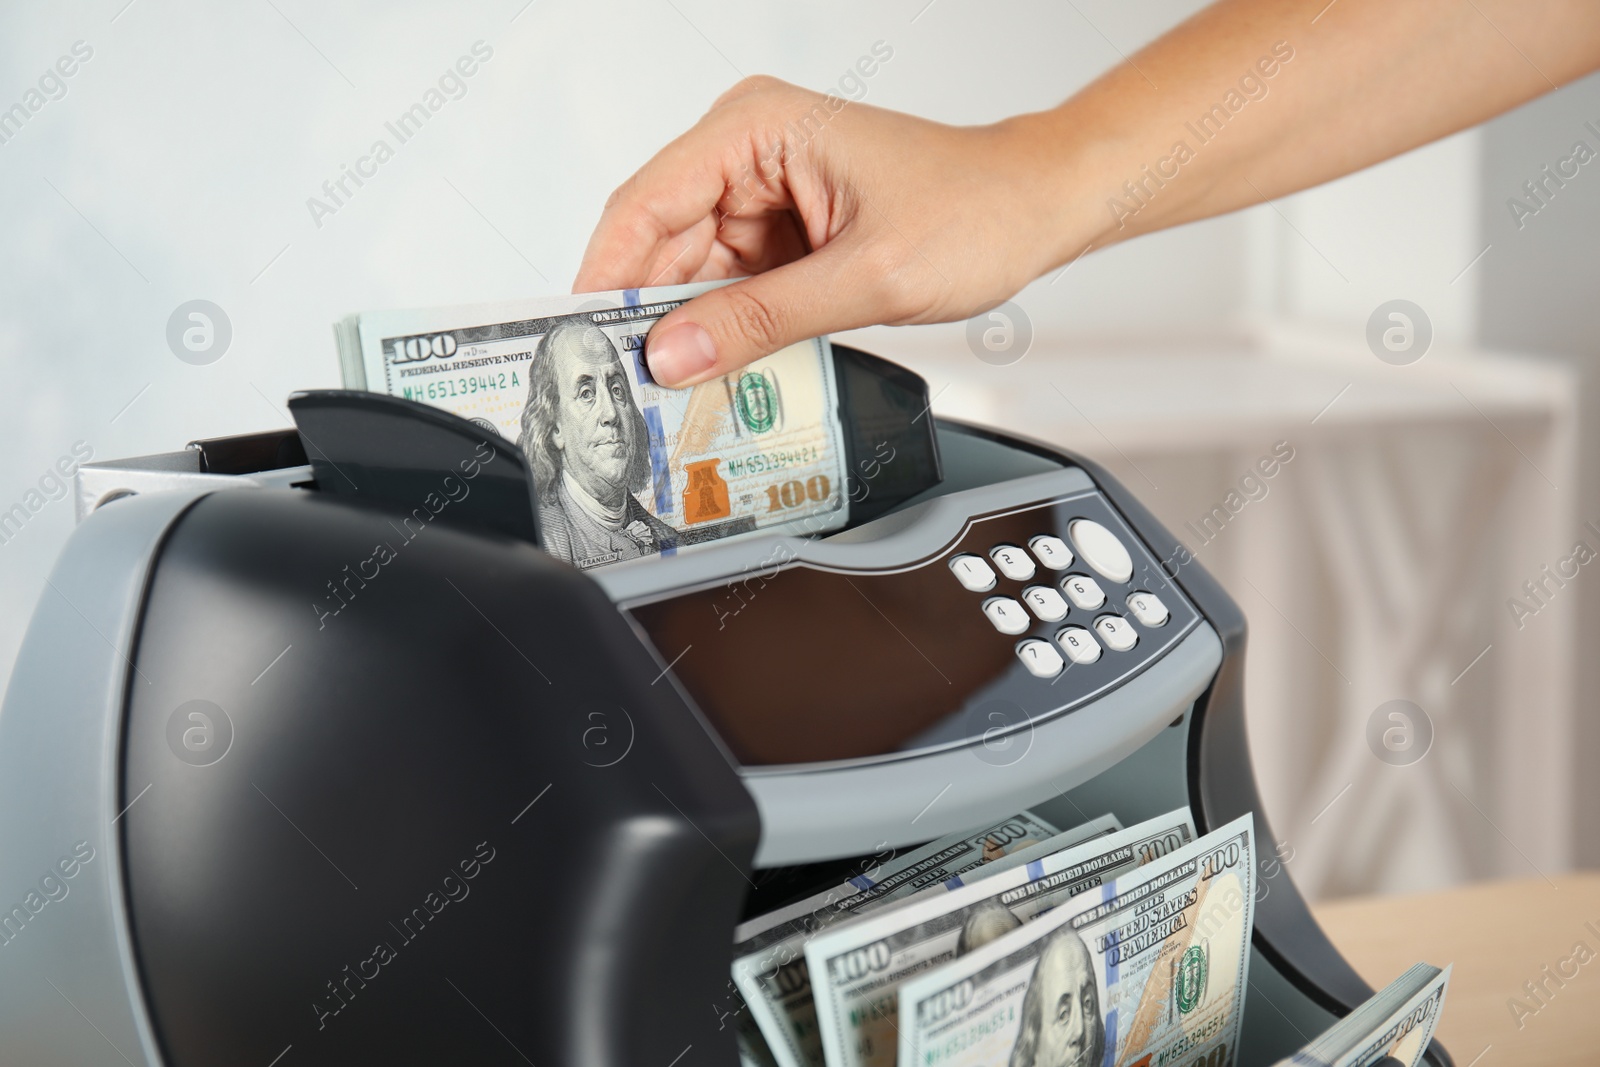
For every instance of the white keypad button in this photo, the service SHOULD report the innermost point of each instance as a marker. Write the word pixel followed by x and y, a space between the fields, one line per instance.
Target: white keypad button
pixel 1040 658
pixel 1101 550
pixel 1052 551
pixel 1147 608
pixel 1083 591
pixel 1079 644
pixel 973 573
pixel 1007 615
pixel 1045 603
pixel 1115 632
pixel 1012 561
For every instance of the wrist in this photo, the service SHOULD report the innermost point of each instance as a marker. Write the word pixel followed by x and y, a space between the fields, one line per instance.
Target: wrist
pixel 1054 172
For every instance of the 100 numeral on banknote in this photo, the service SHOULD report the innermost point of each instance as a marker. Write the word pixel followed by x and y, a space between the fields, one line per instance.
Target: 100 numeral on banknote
pixel 623 468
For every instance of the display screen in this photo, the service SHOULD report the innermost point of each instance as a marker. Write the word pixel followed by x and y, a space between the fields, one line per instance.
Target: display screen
pixel 808 665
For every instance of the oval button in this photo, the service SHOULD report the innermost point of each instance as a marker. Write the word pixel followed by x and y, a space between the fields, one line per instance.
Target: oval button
pixel 1007 615
pixel 1116 633
pixel 972 572
pixel 1100 549
pixel 1052 551
pixel 1148 608
pixel 1045 602
pixel 1041 660
pixel 1079 644
pixel 1012 561
pixel 1084 591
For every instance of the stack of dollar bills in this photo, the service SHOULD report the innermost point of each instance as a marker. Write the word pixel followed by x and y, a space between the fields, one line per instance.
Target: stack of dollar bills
pixel 770 957
pixel 1393 1026
pixel 1024 944
pixel 623 468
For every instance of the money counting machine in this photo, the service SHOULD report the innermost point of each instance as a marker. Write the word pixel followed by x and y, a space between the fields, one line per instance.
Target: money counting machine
pixel 312 756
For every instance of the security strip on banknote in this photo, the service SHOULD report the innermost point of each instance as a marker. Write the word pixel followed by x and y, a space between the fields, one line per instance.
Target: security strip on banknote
pixel 1150 968
pixel 857 969
pixel 769 965
pixel 623 468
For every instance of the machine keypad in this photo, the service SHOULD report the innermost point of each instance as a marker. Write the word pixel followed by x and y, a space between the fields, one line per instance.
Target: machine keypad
pixel 1041 660
pixel 973 573
pixel 1007 615
pixel 1083 591
pixel 1115 631
pixel 1079 644
pixel 1012 561
pixel 1052 551
pixel 1045 602
pixel 1101 549
pixel 1148 608
pixel 1083 644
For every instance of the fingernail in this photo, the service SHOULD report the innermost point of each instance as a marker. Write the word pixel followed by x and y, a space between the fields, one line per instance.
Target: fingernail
pixel 679 352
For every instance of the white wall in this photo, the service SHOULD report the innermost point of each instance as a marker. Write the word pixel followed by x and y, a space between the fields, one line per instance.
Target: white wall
pixel 1406 228
pixel 1538 293
pixel 179 162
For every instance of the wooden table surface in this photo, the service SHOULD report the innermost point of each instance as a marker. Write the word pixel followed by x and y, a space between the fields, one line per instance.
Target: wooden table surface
pixel 1499 935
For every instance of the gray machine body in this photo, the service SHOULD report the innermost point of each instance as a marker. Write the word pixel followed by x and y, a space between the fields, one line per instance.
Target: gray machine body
pixel 72 963
pixel 72 960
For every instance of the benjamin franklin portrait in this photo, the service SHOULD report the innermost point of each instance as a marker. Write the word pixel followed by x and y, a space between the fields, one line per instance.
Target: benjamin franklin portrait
pixel 1061 1024
pixel 589 449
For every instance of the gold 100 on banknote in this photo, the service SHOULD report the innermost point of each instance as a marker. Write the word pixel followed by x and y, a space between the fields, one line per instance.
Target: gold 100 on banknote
pixel 623 468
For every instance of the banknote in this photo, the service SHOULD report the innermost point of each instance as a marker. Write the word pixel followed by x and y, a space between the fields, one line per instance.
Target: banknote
pixel 859 967
pixel 1394 1025
pixel 1093 830
pixel 753 1048
pixel 996 858
pixel 623 468
pixel 769 966
pixel 1149 969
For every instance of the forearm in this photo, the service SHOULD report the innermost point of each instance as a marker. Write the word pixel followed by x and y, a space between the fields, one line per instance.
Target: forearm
pixel 1251 99
pixel 847 215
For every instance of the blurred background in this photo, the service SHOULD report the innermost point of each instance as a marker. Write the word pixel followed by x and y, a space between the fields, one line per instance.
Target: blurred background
pixel 1427 488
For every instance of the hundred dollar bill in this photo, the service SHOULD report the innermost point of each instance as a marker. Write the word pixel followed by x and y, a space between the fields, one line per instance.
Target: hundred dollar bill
pixel 858 968
pixel 1150 969
pixel 1394 1025
pixel 769 966
pixel 623 468
pixel 1093 830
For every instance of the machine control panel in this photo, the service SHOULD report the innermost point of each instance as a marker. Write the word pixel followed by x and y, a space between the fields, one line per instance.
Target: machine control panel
pixel 1031 609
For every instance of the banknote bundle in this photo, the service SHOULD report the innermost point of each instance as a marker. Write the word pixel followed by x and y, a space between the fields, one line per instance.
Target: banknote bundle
pixel 858 968
pixel 1153 963
pixel 1092 947
pixel 1394 1025
pixel 769 963
pixel 623 468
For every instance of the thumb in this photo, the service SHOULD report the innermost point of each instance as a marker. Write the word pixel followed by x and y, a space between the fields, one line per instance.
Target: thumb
pixel 726 328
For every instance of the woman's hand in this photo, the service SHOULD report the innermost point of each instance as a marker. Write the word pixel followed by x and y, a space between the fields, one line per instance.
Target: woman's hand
pixel 846 216
pixel 849 215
